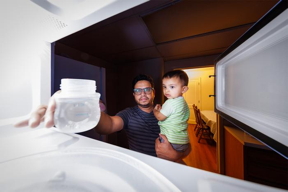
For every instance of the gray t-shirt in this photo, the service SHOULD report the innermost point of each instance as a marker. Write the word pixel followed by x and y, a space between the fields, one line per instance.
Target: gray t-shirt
pixel 142 129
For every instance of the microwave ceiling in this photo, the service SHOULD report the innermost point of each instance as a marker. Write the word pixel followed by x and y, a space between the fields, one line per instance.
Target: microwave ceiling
pixel 168 29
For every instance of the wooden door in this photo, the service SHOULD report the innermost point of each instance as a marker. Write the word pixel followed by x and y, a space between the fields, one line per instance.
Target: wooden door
pixel 192 96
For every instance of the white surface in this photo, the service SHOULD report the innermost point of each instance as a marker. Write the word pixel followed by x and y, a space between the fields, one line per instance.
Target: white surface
pixel 27 30
pixel 35 158
pixel 252 81
pixel 81 169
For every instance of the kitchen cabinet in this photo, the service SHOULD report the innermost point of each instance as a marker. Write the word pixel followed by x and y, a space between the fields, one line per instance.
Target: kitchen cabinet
pixel 248 159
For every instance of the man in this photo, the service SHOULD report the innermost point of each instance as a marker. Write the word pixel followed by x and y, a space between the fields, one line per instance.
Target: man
pixel 139 122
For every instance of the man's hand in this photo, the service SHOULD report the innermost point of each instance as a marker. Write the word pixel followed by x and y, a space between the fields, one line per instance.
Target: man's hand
pixel 164 150
pixel 42 113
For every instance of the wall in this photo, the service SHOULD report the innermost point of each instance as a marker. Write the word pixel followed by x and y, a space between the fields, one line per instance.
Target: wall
pixel 190 62
pixel 111 72
pixel 119 77
pixel 127 72
pixel 206 86
pixel 69 68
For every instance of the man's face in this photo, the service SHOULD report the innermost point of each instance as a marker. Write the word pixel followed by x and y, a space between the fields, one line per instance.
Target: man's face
pixel 145 97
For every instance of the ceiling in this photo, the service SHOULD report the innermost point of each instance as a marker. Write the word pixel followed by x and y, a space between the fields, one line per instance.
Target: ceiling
pixel 169 29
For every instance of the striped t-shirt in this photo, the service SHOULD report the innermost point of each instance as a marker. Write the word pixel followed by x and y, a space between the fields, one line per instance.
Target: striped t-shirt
pixel 174 127
pixel 142 129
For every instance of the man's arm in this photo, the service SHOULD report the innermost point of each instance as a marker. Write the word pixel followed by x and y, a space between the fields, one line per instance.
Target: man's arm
pixel 165 151
pixel 109 124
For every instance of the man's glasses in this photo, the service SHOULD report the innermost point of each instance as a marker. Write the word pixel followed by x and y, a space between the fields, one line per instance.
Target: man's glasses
pixel 146 90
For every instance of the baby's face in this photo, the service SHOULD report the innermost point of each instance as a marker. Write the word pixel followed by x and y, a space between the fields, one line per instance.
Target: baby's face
pixel 172 87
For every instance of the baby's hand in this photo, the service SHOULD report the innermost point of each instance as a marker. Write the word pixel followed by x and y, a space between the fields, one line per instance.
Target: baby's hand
pixel 159 116
pixel 158 107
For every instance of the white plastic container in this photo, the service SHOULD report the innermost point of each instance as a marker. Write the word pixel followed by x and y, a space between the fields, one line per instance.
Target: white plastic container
pixel 77 106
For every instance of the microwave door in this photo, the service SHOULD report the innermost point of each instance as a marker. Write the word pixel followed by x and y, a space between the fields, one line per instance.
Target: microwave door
pixel 251 81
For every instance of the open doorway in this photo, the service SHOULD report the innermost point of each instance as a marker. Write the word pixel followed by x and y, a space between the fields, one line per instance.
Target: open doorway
pixel 201 87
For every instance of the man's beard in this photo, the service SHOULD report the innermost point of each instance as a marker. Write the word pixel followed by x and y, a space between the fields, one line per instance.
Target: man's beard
pixel 145 105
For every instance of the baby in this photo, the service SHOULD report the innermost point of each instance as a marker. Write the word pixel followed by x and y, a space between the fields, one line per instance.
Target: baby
pixel 174 113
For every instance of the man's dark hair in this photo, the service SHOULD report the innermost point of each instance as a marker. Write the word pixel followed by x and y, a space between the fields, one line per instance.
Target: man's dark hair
pixel 177 73
pixel 141 77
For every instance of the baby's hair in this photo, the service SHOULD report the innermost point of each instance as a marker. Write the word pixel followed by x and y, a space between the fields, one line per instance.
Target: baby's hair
pixel 177 73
